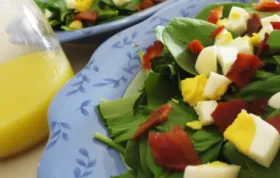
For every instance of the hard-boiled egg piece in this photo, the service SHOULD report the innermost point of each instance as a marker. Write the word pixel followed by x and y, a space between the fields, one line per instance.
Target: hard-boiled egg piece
pixel 243 45
pixel 256 39
pixel 212 170
pixel 223 38
pixel 224 22
pixel 121 2
pixel 195 125
pixel 70 4
pixel 273 18
pixel 254 137
pixel 266 29
pixel 204 109
pixel 226 57
pixel 192 89
pixel 216 86
pixel 207 61
pixel 238 18
pixel 274 101
pixel 83 5
pixel 76 25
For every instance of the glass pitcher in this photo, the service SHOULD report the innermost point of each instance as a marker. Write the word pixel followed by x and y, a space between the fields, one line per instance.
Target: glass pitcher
pixel 33 68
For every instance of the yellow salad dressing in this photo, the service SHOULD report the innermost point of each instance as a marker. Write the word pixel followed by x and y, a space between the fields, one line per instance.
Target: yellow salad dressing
pixel 27 85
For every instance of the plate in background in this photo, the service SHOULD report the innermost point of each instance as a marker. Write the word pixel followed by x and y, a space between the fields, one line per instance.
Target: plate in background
pixel 71 151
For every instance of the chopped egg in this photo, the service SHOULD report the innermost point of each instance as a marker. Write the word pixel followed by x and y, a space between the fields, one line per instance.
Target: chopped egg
pixel 226 58
pixel 212 170
pixel 254 137
pixel 243 45
pixel 273 18
pixel 238 18
pixel 223 38
pixel 204 109
pixel 255 39
pixel 76 25
pixel 207 61
pixel 70 4
pixel 274 101
pixel 192 89
pixel 223 22
pixel 266 29
pixel 216 86
pixel 83 5
pixel 195 125
pixel 121 2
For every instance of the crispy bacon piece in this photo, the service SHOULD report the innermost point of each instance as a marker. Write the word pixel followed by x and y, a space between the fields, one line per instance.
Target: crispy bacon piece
pixel 215 15
pixel 155 118
pixel 267 6
pixel 90 15
pixel 226 113
pixel 276 25
pixel 152 52
pixel 254 24
pixel 263 46
pixel 145 4
pixel 174 149
pixel 217 31
pixel 244 68
pixel 275 122
pixel 195 47
pixel 256 106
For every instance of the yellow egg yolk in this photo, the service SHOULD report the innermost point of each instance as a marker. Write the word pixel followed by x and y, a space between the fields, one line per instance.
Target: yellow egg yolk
pixel 220 92
pixel 83 5
pixel 241 133
pixel 217 164
pixel 193 88
pixel 76 25
pixel 255 39
pixel 224 38
pixel 195 125
pixel 235 16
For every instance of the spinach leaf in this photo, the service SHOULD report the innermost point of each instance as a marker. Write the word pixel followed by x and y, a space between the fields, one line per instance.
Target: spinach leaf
pixel 233 156
pixel 117 108
pixel 141 174
pixel 273 40
pixel 212 153
pixel 179 32
pixel 109 2
pixel 143 157
pixel 245 173
pixel 205 138
pixel 181 114
pixel 175 175
pixel 159 90
pixel 262 75
pixel 259 171
pixel 262 89
pixel 164 66
pixel 131 6
pixel 128 174
pixel 159 31
pixel 132 154
pixel 204 13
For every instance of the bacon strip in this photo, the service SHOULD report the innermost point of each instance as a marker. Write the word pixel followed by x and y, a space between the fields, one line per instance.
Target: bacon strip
pixel 275 122
pixel 244 68
pixel 157 117
pixel 226 113
pixel 256 106
pixel 276 25
pixel 90 15
pixel 217 31
pixel 215 15
pixel 267 6
pixel 145 4
pixel 263 46
pixel 174 149
pixel 195 47
pixel 254 24
pixel 152 52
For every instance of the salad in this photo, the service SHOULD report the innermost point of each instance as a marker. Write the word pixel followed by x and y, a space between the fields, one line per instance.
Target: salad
pixel 206 103
pixel 71 15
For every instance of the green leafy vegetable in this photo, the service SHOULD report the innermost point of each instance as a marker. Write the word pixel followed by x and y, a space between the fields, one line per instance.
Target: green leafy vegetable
pixel 204 13
pixel 143 157
pixel 273 40
pixel 262 89
pixel 128 174
pixel 132 154
pixel 179 33
pixel 109 142
pixel 212 153
pixel 233 156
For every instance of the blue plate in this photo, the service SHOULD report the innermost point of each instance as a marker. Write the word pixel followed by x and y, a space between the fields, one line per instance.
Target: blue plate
pixel 113 26
pixel 71 151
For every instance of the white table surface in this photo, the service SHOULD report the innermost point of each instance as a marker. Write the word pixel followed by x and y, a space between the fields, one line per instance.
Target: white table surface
pixel 25 164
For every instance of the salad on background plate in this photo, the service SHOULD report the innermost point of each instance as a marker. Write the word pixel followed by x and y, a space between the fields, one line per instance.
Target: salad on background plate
pixel 69 15
pixel 206 102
